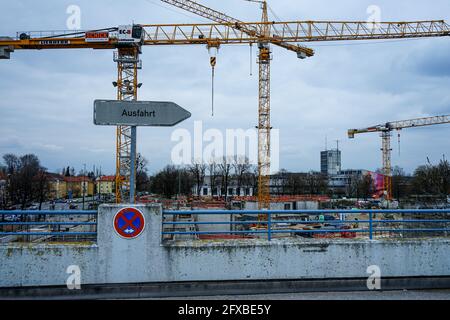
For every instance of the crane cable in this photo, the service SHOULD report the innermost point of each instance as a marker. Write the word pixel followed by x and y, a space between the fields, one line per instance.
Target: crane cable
pixel 251 59
pixel 212 94
pixel 213 65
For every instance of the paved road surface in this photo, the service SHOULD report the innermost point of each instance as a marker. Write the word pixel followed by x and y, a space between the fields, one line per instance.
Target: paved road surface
pixel 363 295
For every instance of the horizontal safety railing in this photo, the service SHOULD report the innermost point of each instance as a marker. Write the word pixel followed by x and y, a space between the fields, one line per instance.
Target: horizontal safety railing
pixel 270 223
pixel 48 225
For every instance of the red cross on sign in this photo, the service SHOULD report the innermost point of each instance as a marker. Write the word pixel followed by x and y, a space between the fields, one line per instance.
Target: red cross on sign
pixel 129 223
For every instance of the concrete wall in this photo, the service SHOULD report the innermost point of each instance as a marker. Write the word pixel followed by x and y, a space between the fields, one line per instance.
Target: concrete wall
pixel 214 218
pixel 144 259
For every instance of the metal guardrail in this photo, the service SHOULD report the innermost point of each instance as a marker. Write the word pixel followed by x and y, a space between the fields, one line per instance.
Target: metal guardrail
pixel 19 223
pixel 270 225
pixel 24 219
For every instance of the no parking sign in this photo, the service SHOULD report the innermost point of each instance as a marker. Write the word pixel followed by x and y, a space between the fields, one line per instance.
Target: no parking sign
pixel 129 223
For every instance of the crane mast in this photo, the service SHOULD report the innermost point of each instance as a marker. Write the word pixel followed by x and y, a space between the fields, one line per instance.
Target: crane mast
pixel 264 118
pixel 386 133
pixel 128 64
pixel 387 167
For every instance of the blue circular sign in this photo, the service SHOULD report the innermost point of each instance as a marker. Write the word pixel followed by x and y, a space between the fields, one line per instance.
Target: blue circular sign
pixel 129 223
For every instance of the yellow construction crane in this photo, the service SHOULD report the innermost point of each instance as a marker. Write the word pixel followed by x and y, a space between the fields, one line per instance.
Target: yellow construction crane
pixel 386 132
pixel 264 58
pixel 128 40
pixel 280 33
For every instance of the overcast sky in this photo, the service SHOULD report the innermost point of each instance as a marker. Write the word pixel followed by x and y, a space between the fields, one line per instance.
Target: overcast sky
pixel 47 96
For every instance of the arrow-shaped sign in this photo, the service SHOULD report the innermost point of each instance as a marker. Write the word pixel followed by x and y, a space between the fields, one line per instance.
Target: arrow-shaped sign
pixel 138 113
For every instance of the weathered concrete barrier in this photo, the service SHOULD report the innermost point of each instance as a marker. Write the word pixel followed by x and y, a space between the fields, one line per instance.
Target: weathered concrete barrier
pixel 145 259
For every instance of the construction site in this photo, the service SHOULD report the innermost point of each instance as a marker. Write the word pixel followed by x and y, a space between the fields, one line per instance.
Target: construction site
pixel 359 195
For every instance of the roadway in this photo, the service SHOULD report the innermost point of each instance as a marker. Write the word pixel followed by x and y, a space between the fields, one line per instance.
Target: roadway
pixel 353 295
pixel 66 205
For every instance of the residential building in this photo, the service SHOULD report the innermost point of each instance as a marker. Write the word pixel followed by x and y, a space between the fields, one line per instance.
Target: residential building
pixel 106 185
pixel 57 186
pixel 79 186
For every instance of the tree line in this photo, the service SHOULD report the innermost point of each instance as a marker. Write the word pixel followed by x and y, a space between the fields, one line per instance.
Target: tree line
pixel 27 180
pixel 189 179
pixel 426 180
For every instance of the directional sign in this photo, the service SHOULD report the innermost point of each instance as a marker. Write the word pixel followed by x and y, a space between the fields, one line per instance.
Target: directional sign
pixel 129 223
pixel 138 113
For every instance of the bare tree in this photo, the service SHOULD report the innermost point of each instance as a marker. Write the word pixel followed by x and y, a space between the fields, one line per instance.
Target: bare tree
pixel 168 181
pixel 29 168
pixel 297 183
pixel 198 169
pixel 213 174
pixel 281 181
pixel 433 179
pixel 41 186
pixel 398 180
pixel 253 179
pixel 366 186
pixel 443 169
pixel 12 163
pixel 250 178
pixel 241 166
pixel 142 182
pixel 352 186
pixel 27 179
pixel 225 171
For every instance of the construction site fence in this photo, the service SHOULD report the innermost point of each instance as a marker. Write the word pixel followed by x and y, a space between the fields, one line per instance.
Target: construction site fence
pixel 81 225
pixel 267 223
pixel 48 225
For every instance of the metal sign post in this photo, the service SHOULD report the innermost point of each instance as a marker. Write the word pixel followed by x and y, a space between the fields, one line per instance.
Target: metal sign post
pixel 134 114
pixel 133 164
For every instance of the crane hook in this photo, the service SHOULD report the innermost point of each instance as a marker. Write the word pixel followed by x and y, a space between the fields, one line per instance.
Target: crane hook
pixel 213 49
pixel 251 59
pixel 213 64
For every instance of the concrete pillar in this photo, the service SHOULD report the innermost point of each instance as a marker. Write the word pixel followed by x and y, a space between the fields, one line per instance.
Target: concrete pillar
pixel 129 260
